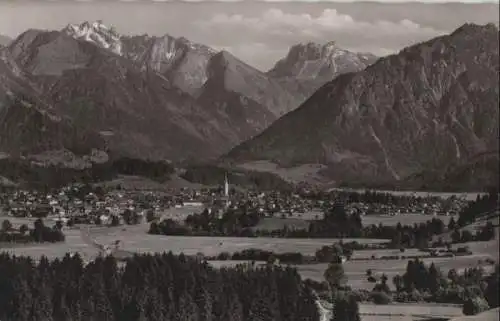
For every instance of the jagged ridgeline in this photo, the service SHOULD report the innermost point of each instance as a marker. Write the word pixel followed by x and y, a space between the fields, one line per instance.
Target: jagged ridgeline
pixel 421 118
pixel 425 117
pixel 37 175
pixel 153 97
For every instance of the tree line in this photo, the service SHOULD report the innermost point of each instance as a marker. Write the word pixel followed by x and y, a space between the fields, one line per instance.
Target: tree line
pixel 476 289
pixel 367 197
pixel 39 233
pixel 336 223
pixel 54 176
pixel 483 205
pixel 214 175
pixel 150 287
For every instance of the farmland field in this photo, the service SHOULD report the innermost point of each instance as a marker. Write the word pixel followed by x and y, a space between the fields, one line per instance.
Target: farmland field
pixel 410 312
pixel 490 315
pixel 400 311
pixel 135 239
pixel 404 219
pixel 356 270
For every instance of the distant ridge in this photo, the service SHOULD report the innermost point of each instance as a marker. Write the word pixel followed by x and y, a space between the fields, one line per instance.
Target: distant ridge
pixel 430 107
pixel 137 96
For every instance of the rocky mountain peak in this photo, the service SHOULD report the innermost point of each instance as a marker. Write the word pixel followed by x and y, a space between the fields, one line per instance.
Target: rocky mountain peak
pixel 472 28
pixel 312 60
pixel 97 33
pixel 431 107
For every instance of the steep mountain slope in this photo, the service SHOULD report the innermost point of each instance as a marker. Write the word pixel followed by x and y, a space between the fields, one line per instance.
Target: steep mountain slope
pixel 179 60
pixel 138 113
pixel 142 96
pixel 311 60
pixel 189 66
pixel 309 66
pixel 25 124
pixel 240 117
pixel 239 100
pixel 230 74
pixel 432 106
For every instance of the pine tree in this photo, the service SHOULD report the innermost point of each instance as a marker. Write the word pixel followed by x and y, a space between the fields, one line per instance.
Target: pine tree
pixel 22 300
pixel 340 310
pixel 204 303
pixel 234 311
pixel 335 275
pixel 187 310
pixel 102 306
pixel 260 310
pixel 346 309
pixel 154 306
pixel 307 309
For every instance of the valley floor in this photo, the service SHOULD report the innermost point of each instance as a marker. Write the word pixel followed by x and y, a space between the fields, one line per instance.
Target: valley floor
pixel 135 239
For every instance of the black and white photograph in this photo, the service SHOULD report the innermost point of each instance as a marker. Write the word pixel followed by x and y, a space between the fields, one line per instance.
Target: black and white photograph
pixel 249 160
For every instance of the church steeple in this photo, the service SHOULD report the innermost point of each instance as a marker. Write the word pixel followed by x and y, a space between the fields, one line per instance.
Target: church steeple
pixel 226 186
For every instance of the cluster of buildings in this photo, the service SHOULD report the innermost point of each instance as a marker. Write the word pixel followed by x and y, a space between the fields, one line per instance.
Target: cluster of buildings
pixel 444 207
pixel 83 204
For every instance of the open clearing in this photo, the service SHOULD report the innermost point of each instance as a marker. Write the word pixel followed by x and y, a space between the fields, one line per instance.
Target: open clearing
pixel 304 173
pixel 490 315
pixel 410 312
pixel 400 311
pixel 311 173
pixel 135 239
pixel 404 219
pixel 356 270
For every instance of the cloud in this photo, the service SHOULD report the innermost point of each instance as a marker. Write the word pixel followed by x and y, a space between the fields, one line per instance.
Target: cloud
pixel 275 21
pixel 276 30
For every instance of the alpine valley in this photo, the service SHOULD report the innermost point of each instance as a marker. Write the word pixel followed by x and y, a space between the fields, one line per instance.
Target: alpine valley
pixel 87 94
pixel 425 117
pixel 149 97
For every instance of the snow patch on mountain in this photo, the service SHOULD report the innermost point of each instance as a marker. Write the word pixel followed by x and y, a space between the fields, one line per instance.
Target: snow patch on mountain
pixel 177 59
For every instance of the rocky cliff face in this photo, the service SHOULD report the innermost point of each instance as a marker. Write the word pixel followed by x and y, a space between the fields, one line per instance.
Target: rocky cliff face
pixel 313 61
pixel 178 59
pixel 26 123
pixel 431 106
pixel 141 96
pixel 138 113
pixel 189 65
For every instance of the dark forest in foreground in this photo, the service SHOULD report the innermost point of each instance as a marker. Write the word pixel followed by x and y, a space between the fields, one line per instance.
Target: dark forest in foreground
pixel 158 287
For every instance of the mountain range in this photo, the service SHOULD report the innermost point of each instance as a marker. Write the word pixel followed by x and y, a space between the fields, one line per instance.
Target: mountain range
pixel 144 96
pixel 423 116
pixel 427 111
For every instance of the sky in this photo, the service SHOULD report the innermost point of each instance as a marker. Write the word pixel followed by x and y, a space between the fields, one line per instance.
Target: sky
pixel 259 32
